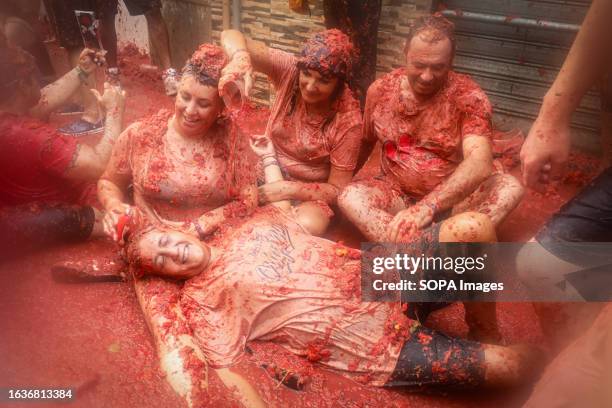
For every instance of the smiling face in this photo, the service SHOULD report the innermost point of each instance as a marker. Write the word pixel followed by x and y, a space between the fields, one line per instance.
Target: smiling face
pixel 428 61
pixel 196 107
pixel 316 88
pixel 172 253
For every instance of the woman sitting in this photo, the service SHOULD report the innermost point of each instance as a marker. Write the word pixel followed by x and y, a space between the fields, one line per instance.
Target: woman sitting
pixel 315 121
pixel 188 168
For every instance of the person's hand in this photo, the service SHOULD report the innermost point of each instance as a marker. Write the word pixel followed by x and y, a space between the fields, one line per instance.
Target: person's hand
pixel 545 152
pixel 407 223
pixel 113 99
pixel 90 60
pixel 113 218
pixel 277 191
pixel 238 69
pixel 262 146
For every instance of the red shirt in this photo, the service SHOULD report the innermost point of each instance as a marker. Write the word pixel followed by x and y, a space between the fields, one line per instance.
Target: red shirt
pixel 33 160
pixel 423 140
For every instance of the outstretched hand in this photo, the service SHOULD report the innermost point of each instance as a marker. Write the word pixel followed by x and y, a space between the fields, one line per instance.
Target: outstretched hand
pixel 545 152
pixel 113 99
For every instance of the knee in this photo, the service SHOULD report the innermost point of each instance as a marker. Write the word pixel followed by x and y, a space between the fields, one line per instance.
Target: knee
pixel 348 199
pixel 511 187
pixel 468 227
pixel 313 217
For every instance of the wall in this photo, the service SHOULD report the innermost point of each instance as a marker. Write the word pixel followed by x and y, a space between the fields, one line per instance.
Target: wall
pixel 272 22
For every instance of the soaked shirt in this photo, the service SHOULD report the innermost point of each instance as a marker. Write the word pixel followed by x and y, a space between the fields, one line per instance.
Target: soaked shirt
pixel 168 179
pixel 34 158
pixel 308 145
pixel 421 142
pixel 275 282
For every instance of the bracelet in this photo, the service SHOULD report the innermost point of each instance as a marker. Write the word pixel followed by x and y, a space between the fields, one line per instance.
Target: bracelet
pixel 267 156
pixel 198 228
pixel 272 163
pixel 268 160
pixel 237 51
pixel 82 74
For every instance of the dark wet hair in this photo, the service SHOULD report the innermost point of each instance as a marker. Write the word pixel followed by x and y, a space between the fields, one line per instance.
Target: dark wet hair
pixel 16 65
pixel 132 251
pixel 206 64
pixel 436 23
pixel 331 54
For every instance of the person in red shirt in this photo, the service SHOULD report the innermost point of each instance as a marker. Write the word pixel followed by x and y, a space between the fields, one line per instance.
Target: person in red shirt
pixel 269 279
pixel 315 121
pixel 433 130
pixel 47 180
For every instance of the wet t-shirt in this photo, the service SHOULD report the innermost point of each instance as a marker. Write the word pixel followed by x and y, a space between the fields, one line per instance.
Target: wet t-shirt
pixel 176 182
pixel 34 158
pixel 308 145
pixel 421 142
pixel 275 282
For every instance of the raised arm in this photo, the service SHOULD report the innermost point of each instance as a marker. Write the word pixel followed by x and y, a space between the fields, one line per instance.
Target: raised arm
pixel 546 149
pixel 57 93
pixel 90 161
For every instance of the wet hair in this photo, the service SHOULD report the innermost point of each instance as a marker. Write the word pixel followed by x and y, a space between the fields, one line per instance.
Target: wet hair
pixel 205 64
pixel 132 250
pixel 16 66
pixel 435 23
pixel 331 54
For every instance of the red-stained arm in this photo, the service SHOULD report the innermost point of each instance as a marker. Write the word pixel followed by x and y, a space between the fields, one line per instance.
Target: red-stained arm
pixel 475 168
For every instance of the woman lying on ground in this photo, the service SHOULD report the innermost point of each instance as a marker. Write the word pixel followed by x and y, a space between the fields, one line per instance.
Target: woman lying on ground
pixel 41 166
pixel 187 167
pixel 258 284
pixel 315 122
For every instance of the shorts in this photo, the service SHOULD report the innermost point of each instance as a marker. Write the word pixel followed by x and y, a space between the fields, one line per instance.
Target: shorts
pixel 585 218
pixel 431 360
pixel 140 7
pixel 33 226
pixel 64 20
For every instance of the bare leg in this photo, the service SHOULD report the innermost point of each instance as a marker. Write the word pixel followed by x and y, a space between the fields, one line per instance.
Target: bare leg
pixel 177 349
pixel 496 197
pixel 370 208
pixel 313 216
pixel 158 37
pixel 513 365
pixel 480 317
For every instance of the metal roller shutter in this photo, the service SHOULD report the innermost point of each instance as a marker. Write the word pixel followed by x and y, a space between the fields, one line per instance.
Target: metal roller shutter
pixel 514 49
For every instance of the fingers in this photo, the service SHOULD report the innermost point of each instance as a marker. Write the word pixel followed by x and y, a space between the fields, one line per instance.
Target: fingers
pixel 248 84
pixel 557 168
pixel 531 171
pixel 97 95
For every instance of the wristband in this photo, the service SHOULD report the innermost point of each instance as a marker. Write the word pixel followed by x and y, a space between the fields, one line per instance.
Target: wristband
pixel 272 163
pixel 237 51
pixel 82 74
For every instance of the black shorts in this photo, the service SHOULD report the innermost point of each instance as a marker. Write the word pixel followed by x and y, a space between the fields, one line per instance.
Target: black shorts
pixel 585 218
pixel 140 7
pixel 431 360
